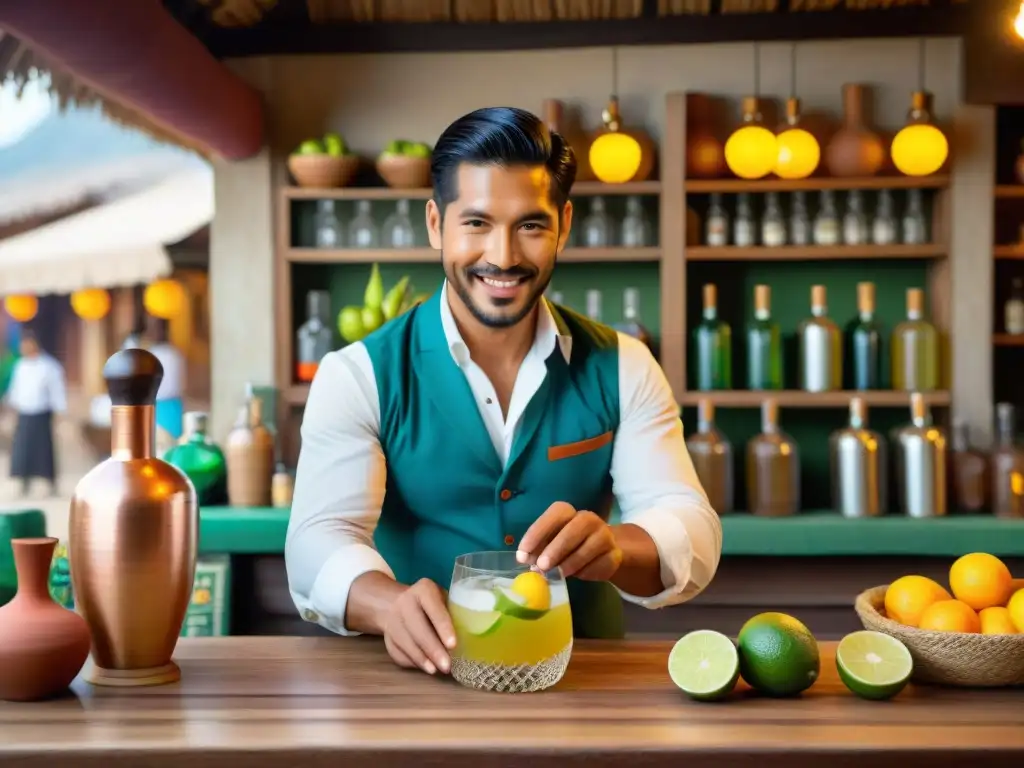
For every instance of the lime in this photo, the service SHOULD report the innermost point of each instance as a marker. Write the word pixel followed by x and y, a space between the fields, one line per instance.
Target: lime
pixel 873 665
pixel 479 622
pixel 778 655
pixel 704 665
pixel 510 603
pixel 350 324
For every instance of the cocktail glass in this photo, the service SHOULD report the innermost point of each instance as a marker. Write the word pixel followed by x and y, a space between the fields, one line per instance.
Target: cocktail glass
pixel 514 632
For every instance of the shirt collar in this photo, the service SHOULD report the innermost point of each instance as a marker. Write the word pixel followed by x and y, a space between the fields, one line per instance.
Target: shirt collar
pixel 544 341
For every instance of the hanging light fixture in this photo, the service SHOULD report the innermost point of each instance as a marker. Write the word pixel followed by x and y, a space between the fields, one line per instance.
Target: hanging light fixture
pixel 798 151
pixel 751 150
pixel 920 149
pixel 615 156
pixel 1018 22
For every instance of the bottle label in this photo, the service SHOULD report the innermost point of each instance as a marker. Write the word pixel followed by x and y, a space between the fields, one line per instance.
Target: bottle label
pixel 716 231
pixel 883 232
pixel 773 233
pixel 826 232
pixel 744 233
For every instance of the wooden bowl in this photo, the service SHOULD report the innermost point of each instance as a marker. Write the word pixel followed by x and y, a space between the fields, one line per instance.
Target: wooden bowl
pixel 401 172
pixel 323 171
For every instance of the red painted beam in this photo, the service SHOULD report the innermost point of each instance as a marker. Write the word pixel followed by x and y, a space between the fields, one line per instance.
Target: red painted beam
pixel 135 53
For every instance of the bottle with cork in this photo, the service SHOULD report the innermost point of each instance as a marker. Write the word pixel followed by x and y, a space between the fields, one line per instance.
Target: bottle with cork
pixel 712 458
pixel 712 345
pixel 250 456
pixel 764 344
pixel 915 349
pixel 821 365
pixel 863 366
pixel 773 468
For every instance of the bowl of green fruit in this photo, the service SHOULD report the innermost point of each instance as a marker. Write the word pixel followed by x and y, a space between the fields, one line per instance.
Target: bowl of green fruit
pixel 323 163
pixel 405 164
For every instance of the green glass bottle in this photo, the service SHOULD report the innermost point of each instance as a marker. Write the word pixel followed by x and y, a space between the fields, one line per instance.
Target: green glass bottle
pixel 864 343
pixel 201 461
pixel 764 344
pixel 712 344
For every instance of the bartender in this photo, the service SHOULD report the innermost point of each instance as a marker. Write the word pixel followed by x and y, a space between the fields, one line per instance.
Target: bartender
pixel 488 418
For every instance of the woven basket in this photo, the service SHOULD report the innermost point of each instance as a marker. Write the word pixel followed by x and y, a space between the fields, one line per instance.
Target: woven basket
pixel 948 658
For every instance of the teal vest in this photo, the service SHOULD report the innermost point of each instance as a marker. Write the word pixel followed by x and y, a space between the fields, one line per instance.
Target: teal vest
pixel 447 492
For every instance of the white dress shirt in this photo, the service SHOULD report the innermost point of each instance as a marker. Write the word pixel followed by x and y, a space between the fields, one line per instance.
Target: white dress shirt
pixel 340 479
pixel 37 386
pixel 173 363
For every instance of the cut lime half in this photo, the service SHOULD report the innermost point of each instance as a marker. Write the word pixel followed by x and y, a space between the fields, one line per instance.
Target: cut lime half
pixel 873 665
pixel 704 665
pixel 479 623
pixel 513 604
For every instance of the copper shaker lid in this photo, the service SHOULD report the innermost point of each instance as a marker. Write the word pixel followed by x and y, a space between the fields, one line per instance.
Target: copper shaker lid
pixel 133 377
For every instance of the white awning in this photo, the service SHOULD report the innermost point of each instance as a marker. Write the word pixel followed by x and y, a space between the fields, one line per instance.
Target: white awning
pixel 118 243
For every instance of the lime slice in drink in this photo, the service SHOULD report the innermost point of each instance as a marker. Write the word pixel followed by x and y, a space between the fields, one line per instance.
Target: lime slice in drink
pixel 512 603
pixel 704 665
pixel 873 665
pixel 479 623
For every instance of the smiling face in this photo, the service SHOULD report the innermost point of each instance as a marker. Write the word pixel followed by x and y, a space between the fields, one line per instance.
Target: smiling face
pixel 499 240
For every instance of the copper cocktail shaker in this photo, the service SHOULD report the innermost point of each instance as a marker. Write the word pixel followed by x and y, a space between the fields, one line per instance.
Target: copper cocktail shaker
pixel 133 536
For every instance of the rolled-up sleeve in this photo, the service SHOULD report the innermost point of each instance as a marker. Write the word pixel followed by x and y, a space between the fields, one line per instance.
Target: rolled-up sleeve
pixel 655 484
pixel 339 490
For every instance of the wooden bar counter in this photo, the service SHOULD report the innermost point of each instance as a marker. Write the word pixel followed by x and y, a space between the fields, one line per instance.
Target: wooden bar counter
pixel 340 703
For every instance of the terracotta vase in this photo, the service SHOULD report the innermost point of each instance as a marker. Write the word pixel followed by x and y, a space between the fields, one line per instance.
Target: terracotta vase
pixel 43 645
pixel 854 150
pixel 705 150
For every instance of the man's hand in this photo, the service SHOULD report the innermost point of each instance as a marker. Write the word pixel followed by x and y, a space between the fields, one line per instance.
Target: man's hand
pixel 581 543
pixel 418 631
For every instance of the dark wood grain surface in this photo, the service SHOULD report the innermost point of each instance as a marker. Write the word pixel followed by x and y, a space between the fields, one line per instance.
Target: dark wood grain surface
pixel 309 702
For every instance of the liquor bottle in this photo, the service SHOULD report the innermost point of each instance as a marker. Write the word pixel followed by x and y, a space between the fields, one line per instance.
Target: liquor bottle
pixel 327 230
pixel 855 223
pixel 821 364
pixel 594 305
pixel 362 230
pixel 743 234
pixel 1007 463
pixel 883 226
pixel 921 463
pixel 826 223
pixel 711 454
pixel 712 343
pixel 637 231
pixel 863 347
pixel 773 468
pixel 799 220
pixel 1013 310
pixel 717 226
pixel 764 344
pixel 314 338
pixel 250 456
pixel 859 465
pixel 915 349
pixel 970 478
pixel 597 226
pixel 773 225
pixel 631 324
pixel 201 460
pixel 915 227
pixel 397 228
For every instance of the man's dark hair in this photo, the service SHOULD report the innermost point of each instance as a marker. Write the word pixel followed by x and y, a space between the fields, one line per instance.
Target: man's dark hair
pixel 502 136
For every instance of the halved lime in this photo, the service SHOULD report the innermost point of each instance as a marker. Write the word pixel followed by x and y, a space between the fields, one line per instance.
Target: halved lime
pixel 873 665
pixel 513 604
pixel 479 622
pixel 704 665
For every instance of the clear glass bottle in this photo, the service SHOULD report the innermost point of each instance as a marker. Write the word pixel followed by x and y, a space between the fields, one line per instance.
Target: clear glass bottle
pixel 637 230
pixel 397 230
pixel 1013 310
pixel 773 224
pixel 915 349
pixel 799 220
pixel 362 230
pixel 863 367
pixel 855 223
pixel 711 454
pixel 1007 461
pixel 743 226
pixel 773 468
pixel 821 363
pixel 915 226
pixel 764 344
pixel 712 346
pixel 596 231
pixel 594 305
pixel 716 230
pixel 883 225
pixel 328 232
pixel 826 223
pixel 970 482
pixel 631 324
pixel 314 337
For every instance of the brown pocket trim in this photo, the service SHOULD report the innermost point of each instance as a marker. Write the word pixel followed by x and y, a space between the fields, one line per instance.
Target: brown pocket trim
pixel 567 451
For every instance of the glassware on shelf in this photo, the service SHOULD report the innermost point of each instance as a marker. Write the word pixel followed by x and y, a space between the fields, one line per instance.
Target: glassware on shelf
pixel 764 344
pixel 773 468
pixel 859 464
pixel 970 482
pixel 773 224
pixel 711 454
pixel 362 230
pixel 915 227
pixel 637 231
pixel 397 230
pixel 1007 463
pixel 594 305
pixel 799 220
pixel 201 460
pixel 631 324
pixel 821 364
pixel 596 231
pixel 863 368
pixel 717 225
pixel 327 229
pixel 1013 310
pixel 743 235
pixel 855 223
pixel 883 225
pixel 915 349
pixel 712 343
pixel 921 463
pixel 314 337
pixel 826 223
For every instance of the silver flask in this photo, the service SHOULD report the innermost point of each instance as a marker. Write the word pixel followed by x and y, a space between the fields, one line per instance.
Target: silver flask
pixel 921 463
pixel 859 469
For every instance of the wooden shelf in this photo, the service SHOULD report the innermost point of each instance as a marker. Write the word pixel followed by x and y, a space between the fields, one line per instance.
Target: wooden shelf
pixel 1008 252
pixel 729 186
pixel 1007 191
pixel 791 398
pixel 429 255
pixel 629 188
pixel 814 252
pixel 582 188
pixel 1008 339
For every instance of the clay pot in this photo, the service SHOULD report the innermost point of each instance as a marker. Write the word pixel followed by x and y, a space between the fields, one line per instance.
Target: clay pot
pixel 705 150
pixel 43 646
pixel 323 171
pixel 404 172
pixel 855 150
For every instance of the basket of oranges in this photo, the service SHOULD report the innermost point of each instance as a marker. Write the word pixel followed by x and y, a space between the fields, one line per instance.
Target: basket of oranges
pixel 971 635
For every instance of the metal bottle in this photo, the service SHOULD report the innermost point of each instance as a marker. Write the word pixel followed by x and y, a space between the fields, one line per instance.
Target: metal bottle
pixel 921 463
pixel 133 536
pixel 858 458
pixel 773 468
pixel 711 454
pixel 821 365
pixel 1007 464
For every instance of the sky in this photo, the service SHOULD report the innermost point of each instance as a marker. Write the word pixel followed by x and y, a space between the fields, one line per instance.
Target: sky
pixel 18 116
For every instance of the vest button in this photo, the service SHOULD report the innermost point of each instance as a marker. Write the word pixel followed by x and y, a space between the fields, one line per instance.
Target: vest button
pixel 510 540
pixel 505 495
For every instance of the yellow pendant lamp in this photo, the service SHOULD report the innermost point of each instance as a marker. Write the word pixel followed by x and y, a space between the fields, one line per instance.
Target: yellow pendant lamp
pixel 91 303
pixel 751 150
pixel 798 151
pixel 920 149
pixel 615 156
pixel 21 307
pixel 1018 21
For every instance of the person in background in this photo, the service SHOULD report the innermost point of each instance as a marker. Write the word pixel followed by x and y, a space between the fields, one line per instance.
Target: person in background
pixel 36 393
pixel 169 398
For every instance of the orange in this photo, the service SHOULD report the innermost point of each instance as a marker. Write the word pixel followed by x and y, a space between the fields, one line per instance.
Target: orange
pixel 1016 609
pixel 981 580
pixel 908 596
pixel 996 621
pixel 950 616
